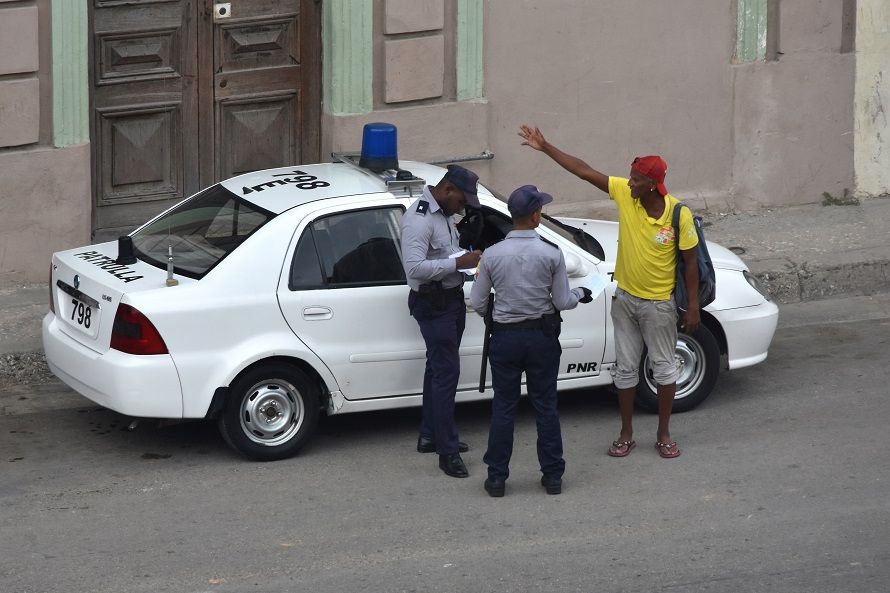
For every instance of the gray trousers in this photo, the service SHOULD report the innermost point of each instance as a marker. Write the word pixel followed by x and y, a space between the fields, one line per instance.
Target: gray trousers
pixel 641 321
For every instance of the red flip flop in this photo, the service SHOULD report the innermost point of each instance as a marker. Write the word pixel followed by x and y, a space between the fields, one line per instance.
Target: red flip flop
pixel 621 448
pixel 668 450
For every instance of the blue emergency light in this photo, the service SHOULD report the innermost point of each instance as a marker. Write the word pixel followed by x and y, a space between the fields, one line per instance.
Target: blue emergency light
pixel 379 152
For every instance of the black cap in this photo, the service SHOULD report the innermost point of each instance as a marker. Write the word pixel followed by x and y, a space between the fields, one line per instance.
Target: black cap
pixel 526 200
pixel 464 180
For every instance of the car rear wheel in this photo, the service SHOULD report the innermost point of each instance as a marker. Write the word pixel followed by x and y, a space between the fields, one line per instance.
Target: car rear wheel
pixel 271 412
pixel 698 356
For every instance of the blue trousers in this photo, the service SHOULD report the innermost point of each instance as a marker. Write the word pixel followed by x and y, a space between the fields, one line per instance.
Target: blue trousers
pixel 442 329
pixel 537 354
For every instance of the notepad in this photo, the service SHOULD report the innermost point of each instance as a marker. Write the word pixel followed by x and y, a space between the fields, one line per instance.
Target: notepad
pixel 470 271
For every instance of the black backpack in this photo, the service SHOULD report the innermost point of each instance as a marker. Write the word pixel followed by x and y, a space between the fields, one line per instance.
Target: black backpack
pixel 707 279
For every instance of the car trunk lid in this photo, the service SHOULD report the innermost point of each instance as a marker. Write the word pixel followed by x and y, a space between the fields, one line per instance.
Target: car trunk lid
pixel 87 285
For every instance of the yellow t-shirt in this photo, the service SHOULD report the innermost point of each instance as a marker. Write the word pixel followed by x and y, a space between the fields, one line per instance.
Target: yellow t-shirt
pixel 647 259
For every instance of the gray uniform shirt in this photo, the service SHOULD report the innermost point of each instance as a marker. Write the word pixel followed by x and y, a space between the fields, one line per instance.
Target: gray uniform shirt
pixel 428 239
pixel 529 277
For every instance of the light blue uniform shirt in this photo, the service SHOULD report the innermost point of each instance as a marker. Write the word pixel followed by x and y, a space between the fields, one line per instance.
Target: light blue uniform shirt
pixel 529 277
pixel 428 239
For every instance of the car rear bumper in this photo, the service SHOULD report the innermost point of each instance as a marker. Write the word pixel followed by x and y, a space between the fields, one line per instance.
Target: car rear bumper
pixel 749 332
pixel 142 386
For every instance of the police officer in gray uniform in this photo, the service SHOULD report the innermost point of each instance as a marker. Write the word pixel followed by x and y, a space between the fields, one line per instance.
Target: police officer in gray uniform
pixel 528 274
pixel 436 302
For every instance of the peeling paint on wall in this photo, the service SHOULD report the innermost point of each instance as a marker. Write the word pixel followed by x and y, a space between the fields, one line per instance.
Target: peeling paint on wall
pixel 878 104
pixel 751 31
pixel 872 128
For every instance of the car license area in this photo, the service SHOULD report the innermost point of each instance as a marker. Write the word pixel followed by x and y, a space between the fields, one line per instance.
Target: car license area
pixel 79 310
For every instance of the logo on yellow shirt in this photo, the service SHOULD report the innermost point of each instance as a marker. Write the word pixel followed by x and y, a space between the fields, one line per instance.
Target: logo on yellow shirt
pixel 665 235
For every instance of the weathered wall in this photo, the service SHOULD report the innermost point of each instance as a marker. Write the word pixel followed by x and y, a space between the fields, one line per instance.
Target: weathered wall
pixel 44 191
pixel 793 117
pixel 44 207
pixel 607 81
pixel 793 124
pixel 412 80
pixel 19 83
pixel 872 138
pixel 614 79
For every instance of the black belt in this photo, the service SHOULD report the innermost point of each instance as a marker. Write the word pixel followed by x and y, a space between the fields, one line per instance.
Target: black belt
pixel 455 290
pixel 527 324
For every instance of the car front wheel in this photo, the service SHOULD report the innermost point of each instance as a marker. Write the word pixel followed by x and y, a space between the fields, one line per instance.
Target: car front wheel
pixel 271 412
pixel 698 356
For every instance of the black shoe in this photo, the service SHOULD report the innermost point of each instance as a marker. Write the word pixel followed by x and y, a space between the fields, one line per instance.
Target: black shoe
pixel 428 445
pixel 552 485
pixel 453 465
pixel 495 487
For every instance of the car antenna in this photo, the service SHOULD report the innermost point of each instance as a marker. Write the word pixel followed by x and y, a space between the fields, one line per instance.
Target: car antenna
pixel 171 281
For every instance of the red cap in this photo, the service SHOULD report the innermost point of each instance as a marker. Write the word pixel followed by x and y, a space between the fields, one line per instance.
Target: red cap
pixel 654 168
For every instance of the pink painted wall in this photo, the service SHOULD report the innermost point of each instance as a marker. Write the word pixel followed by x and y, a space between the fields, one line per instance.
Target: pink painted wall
pixel 44 207
pixel 612 79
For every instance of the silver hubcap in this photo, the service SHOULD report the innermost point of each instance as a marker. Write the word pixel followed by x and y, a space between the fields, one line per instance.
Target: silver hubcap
pixel 691 361
pixel 272 412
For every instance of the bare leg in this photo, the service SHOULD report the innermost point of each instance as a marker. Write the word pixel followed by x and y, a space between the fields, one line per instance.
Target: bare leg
pixel 626 409
pixel 665 404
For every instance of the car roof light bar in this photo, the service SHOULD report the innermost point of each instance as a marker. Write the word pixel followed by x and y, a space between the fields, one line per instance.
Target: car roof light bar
pixel 399 182
pixel 379 157
pixel 379 147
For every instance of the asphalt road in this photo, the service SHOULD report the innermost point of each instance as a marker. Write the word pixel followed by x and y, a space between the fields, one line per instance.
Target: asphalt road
pixel 782 486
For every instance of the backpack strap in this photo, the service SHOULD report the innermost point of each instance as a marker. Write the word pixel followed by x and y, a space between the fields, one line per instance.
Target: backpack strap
pixel 675 223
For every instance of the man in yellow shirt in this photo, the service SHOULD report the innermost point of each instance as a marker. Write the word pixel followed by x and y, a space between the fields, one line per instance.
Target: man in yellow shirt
pixel 643 310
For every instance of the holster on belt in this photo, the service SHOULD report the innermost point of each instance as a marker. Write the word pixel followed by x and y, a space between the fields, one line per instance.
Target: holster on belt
pixel 551 324
pixel 434 294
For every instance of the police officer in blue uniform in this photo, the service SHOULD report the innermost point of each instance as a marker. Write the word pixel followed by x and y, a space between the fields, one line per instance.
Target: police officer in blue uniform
pixel 436 302
pixel 528 274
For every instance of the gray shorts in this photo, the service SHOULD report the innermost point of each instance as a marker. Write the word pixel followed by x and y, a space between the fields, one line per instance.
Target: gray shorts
pixel 641 321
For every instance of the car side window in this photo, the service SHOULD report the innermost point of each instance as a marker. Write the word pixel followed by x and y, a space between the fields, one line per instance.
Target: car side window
pixel 349 249
pixel 305 270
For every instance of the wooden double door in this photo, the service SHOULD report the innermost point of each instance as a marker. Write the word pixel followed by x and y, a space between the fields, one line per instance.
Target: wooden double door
pixel 188 92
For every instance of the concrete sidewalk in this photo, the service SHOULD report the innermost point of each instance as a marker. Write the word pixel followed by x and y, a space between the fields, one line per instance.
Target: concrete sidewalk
pixel 806 253
pixel 802 253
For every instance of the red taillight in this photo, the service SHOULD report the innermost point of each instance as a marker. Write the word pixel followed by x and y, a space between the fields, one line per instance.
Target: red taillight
pixel 133 333
pixel 52 305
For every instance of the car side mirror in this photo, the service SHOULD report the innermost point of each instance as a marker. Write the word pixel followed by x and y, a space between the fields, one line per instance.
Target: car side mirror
pixel 575 266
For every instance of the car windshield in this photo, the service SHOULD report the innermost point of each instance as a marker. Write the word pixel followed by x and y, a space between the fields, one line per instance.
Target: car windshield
pixel 579 237
pixel 201 231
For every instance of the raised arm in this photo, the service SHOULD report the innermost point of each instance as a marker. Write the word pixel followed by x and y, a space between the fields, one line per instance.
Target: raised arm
pixel 532 136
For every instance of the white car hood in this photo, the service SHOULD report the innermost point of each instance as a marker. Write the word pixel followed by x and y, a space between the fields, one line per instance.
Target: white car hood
pixel 606 233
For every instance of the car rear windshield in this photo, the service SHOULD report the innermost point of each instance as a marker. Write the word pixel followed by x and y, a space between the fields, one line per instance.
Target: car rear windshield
pixel 201 231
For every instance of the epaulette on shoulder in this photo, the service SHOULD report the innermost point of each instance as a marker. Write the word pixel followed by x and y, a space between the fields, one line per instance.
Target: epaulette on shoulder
pixel 422 207
pixel 551 243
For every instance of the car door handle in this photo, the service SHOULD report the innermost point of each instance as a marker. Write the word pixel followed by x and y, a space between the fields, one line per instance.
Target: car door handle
pixel 317 313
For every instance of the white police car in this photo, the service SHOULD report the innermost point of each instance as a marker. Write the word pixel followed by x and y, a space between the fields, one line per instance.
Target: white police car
pixel 275 296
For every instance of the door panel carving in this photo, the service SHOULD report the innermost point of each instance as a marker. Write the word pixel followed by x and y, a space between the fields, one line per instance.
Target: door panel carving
pixel 138 158
pixel 259 45
pixel 145 55
pixel 256 132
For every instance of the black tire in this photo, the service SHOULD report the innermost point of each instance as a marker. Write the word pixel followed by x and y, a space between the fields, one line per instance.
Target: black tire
pixel 699 355
pixel 270 413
